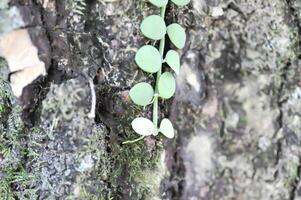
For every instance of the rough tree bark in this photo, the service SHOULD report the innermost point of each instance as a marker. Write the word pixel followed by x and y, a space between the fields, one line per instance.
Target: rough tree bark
pixel 237 108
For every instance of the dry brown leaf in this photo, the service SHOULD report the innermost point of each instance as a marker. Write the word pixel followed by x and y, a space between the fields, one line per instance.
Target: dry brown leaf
pixel 22 58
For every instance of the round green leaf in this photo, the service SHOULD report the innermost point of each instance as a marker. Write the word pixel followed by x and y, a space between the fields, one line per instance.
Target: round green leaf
pixel 153 27
pixel 159 3
pixel 166 128
pixel 181 2
pixel 143 126
pixel 142 94
pixel 166 85
pixel 173 60
pixel 148 58
pixel 176 35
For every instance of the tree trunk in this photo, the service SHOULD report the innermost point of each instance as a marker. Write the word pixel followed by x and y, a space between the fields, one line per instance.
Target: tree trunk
pixel 236 111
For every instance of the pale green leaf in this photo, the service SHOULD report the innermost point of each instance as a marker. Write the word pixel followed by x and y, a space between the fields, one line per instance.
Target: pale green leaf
pixel 176 35
pixel 166 128
pixel 181 2
pixel 142 94
pixel 143 126
pixel 153 27
pixel 173 60
pixel 159 3
pixel 148 58
pixel 166 85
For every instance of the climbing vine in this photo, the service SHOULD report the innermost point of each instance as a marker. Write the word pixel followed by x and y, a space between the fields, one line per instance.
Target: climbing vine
pixel 151 60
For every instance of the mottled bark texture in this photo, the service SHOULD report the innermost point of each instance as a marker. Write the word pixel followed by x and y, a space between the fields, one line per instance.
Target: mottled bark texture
pixel 237 108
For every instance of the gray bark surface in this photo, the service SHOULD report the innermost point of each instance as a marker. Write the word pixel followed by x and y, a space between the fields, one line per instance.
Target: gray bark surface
pixel 236 111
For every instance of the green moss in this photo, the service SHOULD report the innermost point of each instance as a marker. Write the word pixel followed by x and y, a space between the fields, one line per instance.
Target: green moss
pixel 20 179
pixel 292 175
pixel 118 168
pixel 243 120
pixel 131 161
pixel 4 95
pixel 86 195
pixel 15 181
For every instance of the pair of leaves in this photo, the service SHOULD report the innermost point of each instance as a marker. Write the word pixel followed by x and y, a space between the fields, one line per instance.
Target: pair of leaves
pixel 153 27
pixel 142 93
pixel 145 127
pixel 148 58
pixel 161 3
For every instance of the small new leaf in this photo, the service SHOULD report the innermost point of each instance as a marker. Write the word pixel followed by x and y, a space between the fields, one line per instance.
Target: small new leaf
pixel 166 128
pixel 153 27
pixel 166 85
pixel 159 3
pixel 143 126
pixel 176 35
pixel 173 60
pixel 181 2
pixel 148 58
pixel 142 94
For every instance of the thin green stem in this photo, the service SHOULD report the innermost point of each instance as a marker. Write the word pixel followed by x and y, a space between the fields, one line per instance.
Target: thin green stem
pixel 161 50
pixel 133 141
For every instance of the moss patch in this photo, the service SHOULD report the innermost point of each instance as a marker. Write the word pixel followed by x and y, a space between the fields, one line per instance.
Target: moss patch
pixel 15 181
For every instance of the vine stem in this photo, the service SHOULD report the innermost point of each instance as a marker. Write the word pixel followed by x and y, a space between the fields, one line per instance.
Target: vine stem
pixel 161 50
pixel 133 141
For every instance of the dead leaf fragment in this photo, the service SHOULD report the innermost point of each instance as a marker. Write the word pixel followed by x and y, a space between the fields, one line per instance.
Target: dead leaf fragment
pixel 22 58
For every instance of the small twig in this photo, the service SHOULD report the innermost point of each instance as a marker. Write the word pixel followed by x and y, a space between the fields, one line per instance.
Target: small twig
pixel 93 99
pixel 52 127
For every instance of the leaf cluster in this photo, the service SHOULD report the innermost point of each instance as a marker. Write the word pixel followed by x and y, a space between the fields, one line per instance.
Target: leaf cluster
pixel 150 60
